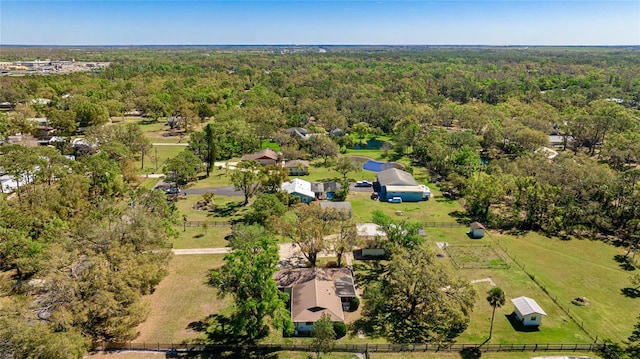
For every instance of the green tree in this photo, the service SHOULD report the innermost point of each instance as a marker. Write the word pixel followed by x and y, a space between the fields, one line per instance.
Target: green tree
pixel 308 228
pixel 345 165
pixel 346 238
pixel 482 191
pixel 183 168
pixel 399 233
pixel 246 178
pixel 362 130
pixel 5 127
pixel 272 177
pixel 417 301
pixel 90 114
pixel 496 299
pixel 324 336
pixel 21 164
pixel 323 146
pixel 265 207
pixel 248 276
pixel 63 121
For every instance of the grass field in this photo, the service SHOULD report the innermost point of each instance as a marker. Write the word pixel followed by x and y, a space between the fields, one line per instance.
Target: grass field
pixel 181 298
pixel 580 268
pixel 195 237
pixel 567 269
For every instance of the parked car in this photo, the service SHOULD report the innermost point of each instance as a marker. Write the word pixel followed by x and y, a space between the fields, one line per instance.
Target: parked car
pixel 172 190
pixel 395 200
pixel 364 184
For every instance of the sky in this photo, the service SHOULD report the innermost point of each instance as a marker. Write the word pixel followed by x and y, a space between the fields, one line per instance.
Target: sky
pixel 313 22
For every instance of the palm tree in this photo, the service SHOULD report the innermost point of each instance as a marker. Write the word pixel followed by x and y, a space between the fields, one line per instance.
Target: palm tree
pixel 495 297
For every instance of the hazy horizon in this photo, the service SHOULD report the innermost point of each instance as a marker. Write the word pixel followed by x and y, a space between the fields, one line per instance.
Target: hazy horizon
pixel 317 23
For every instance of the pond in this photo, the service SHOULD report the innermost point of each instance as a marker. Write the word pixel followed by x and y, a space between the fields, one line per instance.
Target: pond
pixel 370 145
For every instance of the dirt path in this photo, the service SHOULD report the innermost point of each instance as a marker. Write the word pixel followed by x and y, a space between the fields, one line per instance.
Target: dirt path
pixel 170 144
pixel 488 279
pixel 180 252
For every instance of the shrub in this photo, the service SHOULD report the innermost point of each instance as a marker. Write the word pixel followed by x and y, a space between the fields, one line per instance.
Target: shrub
pixel 340 328
pixel 354 303
pixel 331 264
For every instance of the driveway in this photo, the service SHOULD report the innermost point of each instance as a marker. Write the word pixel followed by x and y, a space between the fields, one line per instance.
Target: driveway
pixel 290 255
pixel 220 191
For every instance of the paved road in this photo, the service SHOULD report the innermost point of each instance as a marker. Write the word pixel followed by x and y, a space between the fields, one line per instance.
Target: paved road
pixel 221 191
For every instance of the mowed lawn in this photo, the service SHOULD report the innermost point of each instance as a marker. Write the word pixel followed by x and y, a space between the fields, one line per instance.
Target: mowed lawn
pixel 580 268
pixel 183 297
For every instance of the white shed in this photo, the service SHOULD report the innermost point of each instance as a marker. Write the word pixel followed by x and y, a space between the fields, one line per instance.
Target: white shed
pixel 527 311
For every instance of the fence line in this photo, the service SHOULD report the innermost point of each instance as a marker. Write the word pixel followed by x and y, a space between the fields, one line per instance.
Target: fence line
pixel 208 223
pixel 350 348
pixel 229 224
pixel 554 298
pixel 443 224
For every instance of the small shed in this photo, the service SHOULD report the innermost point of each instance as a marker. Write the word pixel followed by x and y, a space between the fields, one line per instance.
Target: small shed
pixel 477 230
pixel 527 311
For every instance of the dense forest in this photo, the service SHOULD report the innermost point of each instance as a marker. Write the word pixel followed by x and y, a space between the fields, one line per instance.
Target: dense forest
pixel 87 246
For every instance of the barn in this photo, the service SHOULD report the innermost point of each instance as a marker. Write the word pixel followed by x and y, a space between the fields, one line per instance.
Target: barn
pixel 397 183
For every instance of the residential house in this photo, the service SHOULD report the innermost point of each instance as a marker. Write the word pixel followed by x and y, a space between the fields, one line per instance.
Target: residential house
pixel 265 156
pixel 527 311
pixel 314 292
pixel 297 132
pixel 325 190
pixel 398 183
pixel 297 167
pixel 299 188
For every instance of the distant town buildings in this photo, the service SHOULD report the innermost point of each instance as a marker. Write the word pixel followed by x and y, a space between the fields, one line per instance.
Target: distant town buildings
pixel 38 67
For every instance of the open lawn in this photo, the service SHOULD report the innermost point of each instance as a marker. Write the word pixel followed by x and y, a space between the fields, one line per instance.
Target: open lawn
pixel 580 268
pixel 158 156
pixel 567 269
pixel 183 297
pixel 195 237
pixel 434 210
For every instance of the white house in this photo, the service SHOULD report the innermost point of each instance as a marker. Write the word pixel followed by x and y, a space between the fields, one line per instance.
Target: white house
pixel 527 311
pixel 299 188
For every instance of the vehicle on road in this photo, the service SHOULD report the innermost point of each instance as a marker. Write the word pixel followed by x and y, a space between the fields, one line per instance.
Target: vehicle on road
pixel 364 184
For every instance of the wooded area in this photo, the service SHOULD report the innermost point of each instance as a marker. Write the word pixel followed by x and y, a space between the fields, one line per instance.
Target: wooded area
pixel 537 139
